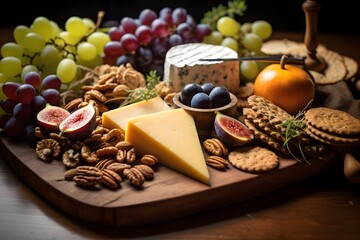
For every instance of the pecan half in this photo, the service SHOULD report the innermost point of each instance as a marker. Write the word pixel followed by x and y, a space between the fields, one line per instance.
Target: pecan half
pixel 111 179
pixel 87 176
pixel 149 160
pixel 134 176
pixel 215 146
pixel 217 162
pixel 147 171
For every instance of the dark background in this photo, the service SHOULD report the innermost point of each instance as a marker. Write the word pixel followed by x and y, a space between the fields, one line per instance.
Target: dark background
pixel 284 15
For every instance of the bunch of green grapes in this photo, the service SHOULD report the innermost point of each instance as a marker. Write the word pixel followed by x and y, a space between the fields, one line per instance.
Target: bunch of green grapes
pixel 246 39
pixel 46 48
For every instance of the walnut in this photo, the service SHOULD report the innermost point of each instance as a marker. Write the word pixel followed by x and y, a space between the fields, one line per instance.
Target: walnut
pixel 149 160
pixel 88 156
pixel 70 158
pixel 217 162
pixel 111 179
pixel 215 146
pixel 48 149
pixel 134 176
pixel 39 134
pixel 63 141
pixel 147 171
pixel 87 176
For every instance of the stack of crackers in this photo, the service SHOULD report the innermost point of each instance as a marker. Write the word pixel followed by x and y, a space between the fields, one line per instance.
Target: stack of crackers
pixel 339 67
pixel 332 127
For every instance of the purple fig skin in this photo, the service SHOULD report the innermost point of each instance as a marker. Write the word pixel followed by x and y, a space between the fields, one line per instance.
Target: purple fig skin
pixel 50 118
pixel 231 139
pixel 80 124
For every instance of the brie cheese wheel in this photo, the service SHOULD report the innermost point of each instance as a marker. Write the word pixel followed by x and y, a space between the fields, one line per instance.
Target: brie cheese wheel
pixel 183 66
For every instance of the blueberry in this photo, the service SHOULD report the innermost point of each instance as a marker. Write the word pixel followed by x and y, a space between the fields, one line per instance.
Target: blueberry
pixel 207 87
pixel 188 92
pixel 219 96
pixel 201 100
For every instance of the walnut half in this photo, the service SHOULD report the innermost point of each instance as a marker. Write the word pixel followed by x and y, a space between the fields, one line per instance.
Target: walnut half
pixel 48 149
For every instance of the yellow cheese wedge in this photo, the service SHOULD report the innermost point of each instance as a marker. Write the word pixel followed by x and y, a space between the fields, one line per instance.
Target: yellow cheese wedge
pixel 170 136
pixel 119 117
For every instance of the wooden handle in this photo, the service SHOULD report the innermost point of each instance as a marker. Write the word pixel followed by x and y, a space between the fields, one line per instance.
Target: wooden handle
pixel 313 62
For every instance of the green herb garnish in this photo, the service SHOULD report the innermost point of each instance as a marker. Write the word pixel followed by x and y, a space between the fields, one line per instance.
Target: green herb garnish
pixel 234 7
pixel 144 93
pixel 295 127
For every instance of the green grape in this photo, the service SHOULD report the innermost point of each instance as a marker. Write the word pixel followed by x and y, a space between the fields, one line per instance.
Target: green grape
pixel 10 66
pixel 227 26
pixel 99 39
pixel 76 27
pixel 89 24
pixel 26 58
pixel 68 38
pixel 34 42
pixel 214 38
pixel 66 70
pixel 230 43
pixel 50 55
pixel 48 70
pixel 12 49
pixel 262 28
pixel 42 26
pixel 3 78
pixel 261 65
pixel 56 29
pixel 246 27
pixel 92 63
pixel 27 69
pixel 19 34
pixel 86 51
pixel 252 42
pixel 249 70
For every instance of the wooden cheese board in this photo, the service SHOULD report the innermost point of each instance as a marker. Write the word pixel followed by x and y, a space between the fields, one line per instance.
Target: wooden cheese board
pixel 169 195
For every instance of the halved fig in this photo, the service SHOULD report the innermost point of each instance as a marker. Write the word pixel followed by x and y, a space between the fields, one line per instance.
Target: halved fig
pixel 79 124
pixel 50 117
pixel 231 131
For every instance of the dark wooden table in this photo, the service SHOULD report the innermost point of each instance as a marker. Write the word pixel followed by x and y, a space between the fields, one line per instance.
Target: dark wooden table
pixel 326 206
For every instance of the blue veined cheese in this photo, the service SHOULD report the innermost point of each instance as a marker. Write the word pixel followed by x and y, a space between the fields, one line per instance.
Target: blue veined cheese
pixel 183 66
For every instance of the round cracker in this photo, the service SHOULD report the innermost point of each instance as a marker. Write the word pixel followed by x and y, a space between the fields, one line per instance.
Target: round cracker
pixel 254 159
pixel 333 121
pixel 352 67
pixel 331 137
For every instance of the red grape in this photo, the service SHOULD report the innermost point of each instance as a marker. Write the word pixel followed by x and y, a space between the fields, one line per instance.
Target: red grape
pixel 179 15
pixel 144 34
pixel 8 105
pixel 129 42
pixel 25 93
pixel 14 127
pixel 51 81
pixel 147 16
pixel 128 24
pixel 113 49
pixel 38 103
pixel 115 33
pixel 160 28
pixel 33 78
pixel 9 89
pixel 52 96
pixel 23 111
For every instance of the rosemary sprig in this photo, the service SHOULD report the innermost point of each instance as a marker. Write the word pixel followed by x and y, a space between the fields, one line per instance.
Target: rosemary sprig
pixel 144 93
pixel 295 127
pixel 234 7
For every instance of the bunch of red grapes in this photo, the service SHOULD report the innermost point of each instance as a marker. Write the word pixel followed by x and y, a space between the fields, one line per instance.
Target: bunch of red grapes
pixel 144 41
pixel 24 100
